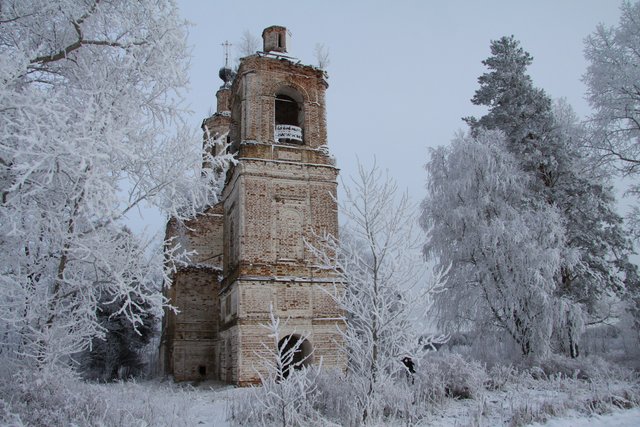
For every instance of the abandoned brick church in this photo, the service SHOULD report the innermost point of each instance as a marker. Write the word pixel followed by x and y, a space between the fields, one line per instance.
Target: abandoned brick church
pixel 250 247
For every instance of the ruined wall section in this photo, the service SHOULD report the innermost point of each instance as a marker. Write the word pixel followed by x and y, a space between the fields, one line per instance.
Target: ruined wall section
pixel 218 125
pixel 272 210
pixel 202 235
pixel 195 326
pixel 279 195
pixel 189 338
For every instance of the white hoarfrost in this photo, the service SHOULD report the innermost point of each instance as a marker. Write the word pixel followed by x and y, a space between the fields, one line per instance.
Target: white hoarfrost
pixel 563 198
pixel 90 102
pixel 612 81
pixel 612 90
pixel 504 248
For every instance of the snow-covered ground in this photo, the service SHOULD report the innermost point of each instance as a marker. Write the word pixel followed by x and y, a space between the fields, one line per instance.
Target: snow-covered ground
pixel 521 401
pixel 210 409
pixel 628 418
pixel 210 403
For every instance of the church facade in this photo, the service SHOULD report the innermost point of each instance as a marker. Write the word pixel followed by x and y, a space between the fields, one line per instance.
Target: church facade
pixel 251 247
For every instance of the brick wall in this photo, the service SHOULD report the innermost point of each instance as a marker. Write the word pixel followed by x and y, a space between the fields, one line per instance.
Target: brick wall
pixel 193 331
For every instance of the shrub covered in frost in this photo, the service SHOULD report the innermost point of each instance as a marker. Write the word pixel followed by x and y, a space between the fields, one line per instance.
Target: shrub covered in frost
pixel 452 375
pixel 584 368
pixel 54 397
pixel 59 398
pixel 500 376
pixel 284 402
pixel 335 398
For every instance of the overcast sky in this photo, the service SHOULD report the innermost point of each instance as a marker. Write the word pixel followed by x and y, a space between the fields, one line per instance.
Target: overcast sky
pixel 401 73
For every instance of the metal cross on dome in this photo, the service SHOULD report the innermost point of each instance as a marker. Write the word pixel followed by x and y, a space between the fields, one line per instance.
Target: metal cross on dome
pixel 226 46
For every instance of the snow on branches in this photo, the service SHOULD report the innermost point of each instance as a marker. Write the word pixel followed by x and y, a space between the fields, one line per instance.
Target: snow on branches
pixel 612 80
pixel 504 247
pixel 547 163
pixel 381 285
pixel 90 99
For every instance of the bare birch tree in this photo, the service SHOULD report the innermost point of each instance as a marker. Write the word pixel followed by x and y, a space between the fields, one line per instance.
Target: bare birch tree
pixel 381 278
pixel 504 247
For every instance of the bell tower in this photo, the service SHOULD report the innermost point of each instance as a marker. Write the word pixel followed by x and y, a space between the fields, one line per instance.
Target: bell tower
pixel 278 197
pixel 251 247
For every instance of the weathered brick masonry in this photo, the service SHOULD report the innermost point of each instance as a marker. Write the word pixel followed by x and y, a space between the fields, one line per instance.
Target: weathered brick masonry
pixel 251 246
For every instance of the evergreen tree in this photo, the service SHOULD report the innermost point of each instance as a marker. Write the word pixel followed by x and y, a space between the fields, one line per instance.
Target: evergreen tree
pixel 118 355
pixel 523 112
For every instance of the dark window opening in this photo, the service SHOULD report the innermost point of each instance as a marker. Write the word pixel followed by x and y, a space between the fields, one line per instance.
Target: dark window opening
pixel 287 111
pixel 279 40
pixel 202 370
pixel 289 116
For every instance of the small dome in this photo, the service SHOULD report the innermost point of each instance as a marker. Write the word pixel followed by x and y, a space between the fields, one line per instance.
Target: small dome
pixel 226 74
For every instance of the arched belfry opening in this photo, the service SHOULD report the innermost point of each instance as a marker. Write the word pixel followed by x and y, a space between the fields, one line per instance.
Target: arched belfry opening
pixel 287 111
pixel 301 353
pixel 289 116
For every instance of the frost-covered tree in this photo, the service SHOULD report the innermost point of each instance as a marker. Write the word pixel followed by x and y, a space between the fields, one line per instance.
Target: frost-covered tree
pixel 89 96
pixel 321 52
pixel 118 354
pixel 548 144
pixel 613 90
pixel 516 107
pixel 381 279
pixel 249 44
pixel 505 247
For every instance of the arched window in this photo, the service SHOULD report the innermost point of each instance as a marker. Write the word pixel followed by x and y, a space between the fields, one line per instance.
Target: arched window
pixel 289 116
